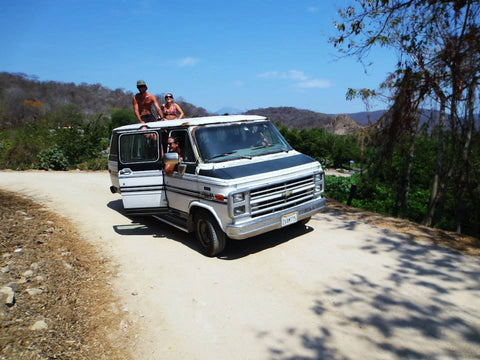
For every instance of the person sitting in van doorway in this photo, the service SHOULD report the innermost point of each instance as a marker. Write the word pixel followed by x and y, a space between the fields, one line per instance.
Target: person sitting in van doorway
pixel 143 102
pixel 171 109
pixel 173 146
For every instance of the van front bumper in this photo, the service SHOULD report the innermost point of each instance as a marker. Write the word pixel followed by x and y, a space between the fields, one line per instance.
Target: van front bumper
pixel 267 223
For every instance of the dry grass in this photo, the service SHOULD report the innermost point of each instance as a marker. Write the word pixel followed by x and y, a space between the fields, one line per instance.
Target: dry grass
pixel 76 302
pixel 463 243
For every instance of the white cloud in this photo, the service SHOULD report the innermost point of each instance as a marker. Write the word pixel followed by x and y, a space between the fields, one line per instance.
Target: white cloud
pixel 290 74
pixel 270 75
pixel 187 61
pixel 296 75
pixel 314 83
pixel 312 9
pixel 301 80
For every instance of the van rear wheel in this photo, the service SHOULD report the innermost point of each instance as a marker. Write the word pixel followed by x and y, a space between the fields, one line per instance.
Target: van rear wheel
pixel 209 234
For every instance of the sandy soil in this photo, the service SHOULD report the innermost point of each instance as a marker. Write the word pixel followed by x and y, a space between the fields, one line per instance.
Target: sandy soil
pixel 57 304
pixel 335 289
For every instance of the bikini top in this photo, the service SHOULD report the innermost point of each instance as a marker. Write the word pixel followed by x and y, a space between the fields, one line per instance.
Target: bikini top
pixel 171 111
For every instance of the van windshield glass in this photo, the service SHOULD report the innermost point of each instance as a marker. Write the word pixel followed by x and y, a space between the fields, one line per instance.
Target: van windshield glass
pixel 236 141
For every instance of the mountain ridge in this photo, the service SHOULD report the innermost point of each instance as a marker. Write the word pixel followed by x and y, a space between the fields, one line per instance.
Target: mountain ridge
pixel 23 98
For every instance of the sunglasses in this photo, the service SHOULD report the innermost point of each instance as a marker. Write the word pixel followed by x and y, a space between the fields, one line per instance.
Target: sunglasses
pixel 169 96
pixel 171 143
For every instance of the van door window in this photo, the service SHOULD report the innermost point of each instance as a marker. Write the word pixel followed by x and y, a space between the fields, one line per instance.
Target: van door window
pixel 185 145
pixel 139 147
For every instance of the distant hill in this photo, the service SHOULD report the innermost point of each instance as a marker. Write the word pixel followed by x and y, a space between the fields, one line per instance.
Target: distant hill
pixel 228 110
pixel 24 98
pixel 293 117
pixel 307 119
pixel 364 118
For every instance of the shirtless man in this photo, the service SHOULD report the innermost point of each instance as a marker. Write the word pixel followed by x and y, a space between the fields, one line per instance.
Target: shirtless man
pixel 142 104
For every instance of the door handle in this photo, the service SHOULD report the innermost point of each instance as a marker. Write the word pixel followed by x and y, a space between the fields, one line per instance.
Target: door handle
pixel 126 171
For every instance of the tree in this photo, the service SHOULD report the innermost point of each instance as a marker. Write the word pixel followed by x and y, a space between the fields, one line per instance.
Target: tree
pixel 438 47
pixel 121 117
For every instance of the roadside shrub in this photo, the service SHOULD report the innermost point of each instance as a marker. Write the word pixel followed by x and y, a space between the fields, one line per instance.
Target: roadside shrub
pixel 376 198
pixel 120 117
pixel 52 159
pixel 99 163
pixel 417 204
pixel 338 187
pixel 21 146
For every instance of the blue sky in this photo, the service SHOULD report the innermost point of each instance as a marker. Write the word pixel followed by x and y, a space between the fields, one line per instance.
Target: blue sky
pixel 243 54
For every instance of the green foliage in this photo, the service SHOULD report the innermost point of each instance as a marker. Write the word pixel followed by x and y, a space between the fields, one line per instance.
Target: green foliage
pixel 98 163
pixel 121 117
pixel 338 187
pixel 65 116
pixel 329 149
pixel 63 146
pixel 52 159
pixel 21 146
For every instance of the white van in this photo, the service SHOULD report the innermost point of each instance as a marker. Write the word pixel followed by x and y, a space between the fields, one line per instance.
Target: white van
pixel 235 177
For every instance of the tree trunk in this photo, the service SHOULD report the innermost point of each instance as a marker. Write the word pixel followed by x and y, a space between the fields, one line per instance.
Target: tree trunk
pixel 464 166
pixel 408 172
pixel 434 193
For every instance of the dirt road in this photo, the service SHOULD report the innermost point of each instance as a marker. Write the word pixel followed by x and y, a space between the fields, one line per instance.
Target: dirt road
pixel 336 289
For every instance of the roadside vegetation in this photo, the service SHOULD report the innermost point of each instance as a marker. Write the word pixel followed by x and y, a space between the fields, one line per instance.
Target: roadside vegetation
pixel 61 140
pixel 426 169
pixel 375 191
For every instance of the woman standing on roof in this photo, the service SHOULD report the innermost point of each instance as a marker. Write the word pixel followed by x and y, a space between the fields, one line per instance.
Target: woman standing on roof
pixel 171 110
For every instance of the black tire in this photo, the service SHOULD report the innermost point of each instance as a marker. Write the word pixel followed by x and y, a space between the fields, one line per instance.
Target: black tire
pixel 208 233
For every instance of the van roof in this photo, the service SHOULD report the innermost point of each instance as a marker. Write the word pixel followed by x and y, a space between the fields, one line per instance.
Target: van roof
pixel 205 120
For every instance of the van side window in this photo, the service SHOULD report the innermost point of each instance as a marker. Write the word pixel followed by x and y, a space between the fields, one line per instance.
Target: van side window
pixel 185 145
pixel 114 147
pixel 137 148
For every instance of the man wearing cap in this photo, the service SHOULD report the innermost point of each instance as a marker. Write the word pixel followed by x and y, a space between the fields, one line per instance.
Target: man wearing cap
pixel 142 104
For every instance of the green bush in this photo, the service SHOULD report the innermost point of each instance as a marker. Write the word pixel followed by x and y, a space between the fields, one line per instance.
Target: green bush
pixel 52 159
pixel 21 146
pixel 378 198
pixel 338 187
pixel 120 117
pixel 99 163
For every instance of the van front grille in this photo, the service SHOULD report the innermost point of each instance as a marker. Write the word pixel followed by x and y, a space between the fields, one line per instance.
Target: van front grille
pixel 281 196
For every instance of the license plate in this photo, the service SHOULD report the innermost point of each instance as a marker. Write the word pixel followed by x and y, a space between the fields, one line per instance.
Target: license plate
pixel 289 219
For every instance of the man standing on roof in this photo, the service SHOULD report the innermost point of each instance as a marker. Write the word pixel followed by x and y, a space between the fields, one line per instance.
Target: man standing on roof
pixel 142 104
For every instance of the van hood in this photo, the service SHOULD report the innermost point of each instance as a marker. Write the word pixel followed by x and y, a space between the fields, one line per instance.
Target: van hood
pixel 257 168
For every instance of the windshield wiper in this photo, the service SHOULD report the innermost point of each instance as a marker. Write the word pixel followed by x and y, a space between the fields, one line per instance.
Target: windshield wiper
pixel 230 153
pixel 221 155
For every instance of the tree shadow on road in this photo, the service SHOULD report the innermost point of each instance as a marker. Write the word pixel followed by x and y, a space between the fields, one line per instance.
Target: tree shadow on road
pixel 235 249
pixel 422 304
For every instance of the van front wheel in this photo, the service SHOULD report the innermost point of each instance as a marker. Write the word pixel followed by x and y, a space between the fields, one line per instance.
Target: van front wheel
pixel 208 233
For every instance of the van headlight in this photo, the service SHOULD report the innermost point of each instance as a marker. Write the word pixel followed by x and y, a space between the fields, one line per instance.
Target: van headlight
pixel 318 181
pixel 238 197
pixel 238 204
pixel 239 210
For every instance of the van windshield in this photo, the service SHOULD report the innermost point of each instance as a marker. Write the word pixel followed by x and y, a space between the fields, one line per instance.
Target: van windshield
pixel 235 141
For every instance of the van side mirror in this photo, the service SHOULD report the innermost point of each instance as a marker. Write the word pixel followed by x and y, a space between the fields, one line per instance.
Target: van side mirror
pixel 170 158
